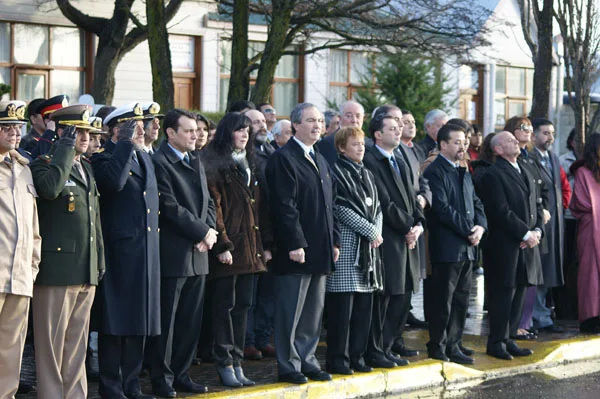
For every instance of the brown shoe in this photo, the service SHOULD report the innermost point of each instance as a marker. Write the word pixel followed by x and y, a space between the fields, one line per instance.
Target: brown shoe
pixel 251 353
pixel 268 350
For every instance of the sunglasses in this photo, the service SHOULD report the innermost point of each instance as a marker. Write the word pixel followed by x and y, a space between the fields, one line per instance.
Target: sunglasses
pixel 526 128
pixel 269 111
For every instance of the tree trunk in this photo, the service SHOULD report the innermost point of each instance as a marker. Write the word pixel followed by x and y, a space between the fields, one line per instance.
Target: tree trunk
pixel 239 82
pixel 160 54
pixel 542 74
pixel 274 48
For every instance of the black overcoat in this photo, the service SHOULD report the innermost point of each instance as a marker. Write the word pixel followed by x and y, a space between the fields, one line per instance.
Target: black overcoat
pixel 512 208
pixel 401 212
pixel 186 213
pixel 301 197
pixel 130 290
pixel 455 209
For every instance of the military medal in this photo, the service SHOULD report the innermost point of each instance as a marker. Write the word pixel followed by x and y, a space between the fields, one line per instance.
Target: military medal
pixel 369 201
pixel 71 206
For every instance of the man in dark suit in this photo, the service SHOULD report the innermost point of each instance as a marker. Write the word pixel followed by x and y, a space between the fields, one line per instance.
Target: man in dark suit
pixel 511 255
pixel 456 224
pixel 434 120
pixel 72 257
pixel 402 225
pixel 187 218
pixel 352 114
pixel 302 196
pixel 552 256
pixel 129 293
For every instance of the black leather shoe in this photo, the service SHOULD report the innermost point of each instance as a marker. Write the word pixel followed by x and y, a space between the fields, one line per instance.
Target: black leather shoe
pixel 343 370
pixel 414 322
pixel 380 363
pixel 460 358
pixel 163 391
pixel 190 386
pixel 466 351
pixel 318 375
pixel 552 328
pixel 404 351
pixel 438 355
pixel 396 359
pixel 139 395
pixel 499 353
pixel 516 351
pixel 361 368
pixel 293 378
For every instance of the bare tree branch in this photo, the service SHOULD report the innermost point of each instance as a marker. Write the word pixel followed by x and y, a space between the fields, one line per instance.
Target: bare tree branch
pixel 84 21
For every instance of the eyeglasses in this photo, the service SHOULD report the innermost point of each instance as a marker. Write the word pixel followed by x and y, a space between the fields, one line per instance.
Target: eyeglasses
pixel 269 111
pixel 526 128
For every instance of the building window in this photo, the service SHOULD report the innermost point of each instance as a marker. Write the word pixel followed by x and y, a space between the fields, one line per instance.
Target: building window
pixel 285 92
pixel 513 93
pixel 185 58
pixel 470 101
pixel 346 71
pixel 42 61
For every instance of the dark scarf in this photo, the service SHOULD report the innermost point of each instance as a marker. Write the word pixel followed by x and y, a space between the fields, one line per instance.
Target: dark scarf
pixel 355 185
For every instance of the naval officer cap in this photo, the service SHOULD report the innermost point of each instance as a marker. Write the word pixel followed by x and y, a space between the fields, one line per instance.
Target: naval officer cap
pixel 126 112
pixel 12 112
pixel 151 111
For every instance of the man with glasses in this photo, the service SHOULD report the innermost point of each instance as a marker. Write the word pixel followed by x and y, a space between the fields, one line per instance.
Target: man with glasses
pixel 270 117
pixel 20 244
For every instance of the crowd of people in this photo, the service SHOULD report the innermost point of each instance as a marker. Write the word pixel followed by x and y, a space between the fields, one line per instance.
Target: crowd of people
pixel 230 241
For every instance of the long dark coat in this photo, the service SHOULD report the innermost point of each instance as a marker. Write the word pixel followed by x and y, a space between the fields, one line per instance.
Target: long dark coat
pixel 455 209
pixel 512 208
pixel 238 220
pixel 69 217
pixel 130 290
pixel 302 198
pixel 552 257
pixel 400 213
pixel 186 213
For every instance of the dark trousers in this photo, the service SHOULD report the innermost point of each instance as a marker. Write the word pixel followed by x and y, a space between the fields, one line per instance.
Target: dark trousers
pixel 451 283
pixel 395 320
pixel 348 327
pixel 505 310
pixel 181 318
pixel 205 344
pixel 120 359
pixel 375 340
pixel 231 300
pixel 298 312
pixel 262 312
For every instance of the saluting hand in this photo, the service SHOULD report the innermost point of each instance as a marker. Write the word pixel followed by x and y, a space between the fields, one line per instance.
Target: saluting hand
pixel 69 135
pixel 127 130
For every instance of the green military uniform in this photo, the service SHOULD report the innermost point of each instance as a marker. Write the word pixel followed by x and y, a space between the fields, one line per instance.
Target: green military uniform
pixel 69 218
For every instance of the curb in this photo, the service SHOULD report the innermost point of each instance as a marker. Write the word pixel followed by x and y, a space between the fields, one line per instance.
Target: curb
pixel 425 374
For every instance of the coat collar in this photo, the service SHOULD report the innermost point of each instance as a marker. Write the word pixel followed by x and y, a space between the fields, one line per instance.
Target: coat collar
pixel 174 158
pixel 513 173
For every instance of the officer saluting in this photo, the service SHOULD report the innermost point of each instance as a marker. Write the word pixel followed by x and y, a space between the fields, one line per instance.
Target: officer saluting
pixel 46 109
pixel 130 290
pixel 72 257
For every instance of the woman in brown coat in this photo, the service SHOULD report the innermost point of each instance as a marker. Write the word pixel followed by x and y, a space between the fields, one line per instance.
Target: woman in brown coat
pixel 238 253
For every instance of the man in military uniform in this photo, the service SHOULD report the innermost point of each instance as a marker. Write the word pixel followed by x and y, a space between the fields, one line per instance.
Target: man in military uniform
pixel 151 125
pixel 129 293
pixel 20 245
pixel 46 109
pixel 38 127
pixel 72 257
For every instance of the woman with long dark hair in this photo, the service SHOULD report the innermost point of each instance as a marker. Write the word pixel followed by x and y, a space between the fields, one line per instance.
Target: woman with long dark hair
pixel 238 253
pixel 585 206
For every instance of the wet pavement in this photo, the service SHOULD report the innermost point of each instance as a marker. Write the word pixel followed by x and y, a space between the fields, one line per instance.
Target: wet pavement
pixel 265 371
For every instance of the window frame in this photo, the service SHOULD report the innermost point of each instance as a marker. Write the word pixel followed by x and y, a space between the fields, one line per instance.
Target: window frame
pixel 351 88
pixel 508 98
pixel 14 67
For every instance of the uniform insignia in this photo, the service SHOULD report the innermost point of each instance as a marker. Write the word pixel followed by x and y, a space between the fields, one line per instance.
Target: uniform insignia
pixel 137 109
pixel 47 158
pixel 11 110
pixel 100 150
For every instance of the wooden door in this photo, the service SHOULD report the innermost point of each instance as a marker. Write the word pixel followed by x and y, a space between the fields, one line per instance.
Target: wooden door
pixel 184 92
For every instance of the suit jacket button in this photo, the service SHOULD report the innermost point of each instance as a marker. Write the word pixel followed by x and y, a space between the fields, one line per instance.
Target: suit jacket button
pixel 148 211
pixel 149 229
pixel 130 174
pixel 158 230
pixel 144 193
pixel 91 238
pixel 59 249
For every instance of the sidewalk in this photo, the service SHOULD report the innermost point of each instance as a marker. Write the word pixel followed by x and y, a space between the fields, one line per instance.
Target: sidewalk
pixel 550 350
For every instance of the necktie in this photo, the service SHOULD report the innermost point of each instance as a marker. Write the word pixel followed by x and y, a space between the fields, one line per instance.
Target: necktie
pixel 395 165
pixel 547 163
pixel 81 171
pixel 135 158
pixel 313 156
pixel 186 159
